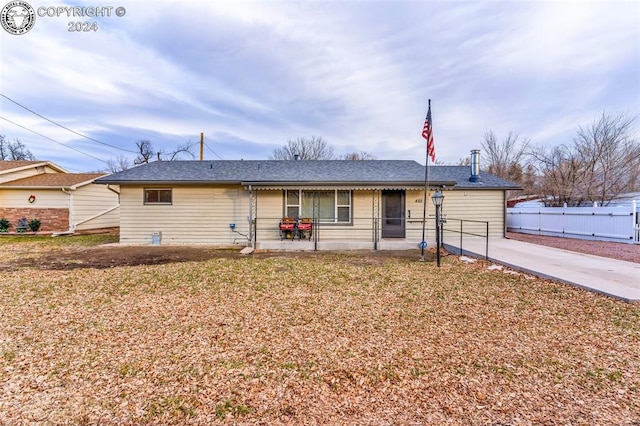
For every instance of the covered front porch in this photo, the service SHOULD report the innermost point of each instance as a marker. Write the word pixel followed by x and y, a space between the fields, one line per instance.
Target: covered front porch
pixel 305 245
pixel 339 217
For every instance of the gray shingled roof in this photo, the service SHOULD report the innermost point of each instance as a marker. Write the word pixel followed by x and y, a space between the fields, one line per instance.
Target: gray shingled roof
pixel 273 172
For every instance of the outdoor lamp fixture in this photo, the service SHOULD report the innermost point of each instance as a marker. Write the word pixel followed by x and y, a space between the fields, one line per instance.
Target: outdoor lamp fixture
pixel 437 199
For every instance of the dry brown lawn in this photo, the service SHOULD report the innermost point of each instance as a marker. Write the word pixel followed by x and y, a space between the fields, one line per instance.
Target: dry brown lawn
pixel 331 338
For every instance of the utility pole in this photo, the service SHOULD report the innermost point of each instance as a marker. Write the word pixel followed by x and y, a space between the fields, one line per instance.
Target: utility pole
pixel 201 146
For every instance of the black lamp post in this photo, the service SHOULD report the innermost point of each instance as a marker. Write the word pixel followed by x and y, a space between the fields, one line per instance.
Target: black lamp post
pixel 437 199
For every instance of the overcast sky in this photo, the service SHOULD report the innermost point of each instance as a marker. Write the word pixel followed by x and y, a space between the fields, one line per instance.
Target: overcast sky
pixel 252 75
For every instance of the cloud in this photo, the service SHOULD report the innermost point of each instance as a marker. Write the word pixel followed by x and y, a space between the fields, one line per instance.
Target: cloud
pixel 253 74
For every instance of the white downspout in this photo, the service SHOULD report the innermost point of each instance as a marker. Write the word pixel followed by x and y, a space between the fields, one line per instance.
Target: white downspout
pixel 110 188
pixel 72 227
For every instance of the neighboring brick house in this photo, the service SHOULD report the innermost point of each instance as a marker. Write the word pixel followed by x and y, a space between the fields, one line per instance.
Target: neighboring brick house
pixel 63 202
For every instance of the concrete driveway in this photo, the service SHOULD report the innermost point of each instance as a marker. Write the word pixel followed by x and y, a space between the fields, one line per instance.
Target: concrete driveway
pixel 615 278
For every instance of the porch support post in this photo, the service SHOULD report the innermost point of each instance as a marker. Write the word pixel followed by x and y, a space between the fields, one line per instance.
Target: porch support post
pixel 375 213
pixel 316 220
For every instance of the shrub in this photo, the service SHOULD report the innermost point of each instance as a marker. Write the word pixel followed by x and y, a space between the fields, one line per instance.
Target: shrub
pixel 4 224
pixel 22 225
pixel 34 225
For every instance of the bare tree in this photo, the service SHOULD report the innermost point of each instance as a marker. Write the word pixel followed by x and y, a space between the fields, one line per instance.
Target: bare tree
pixel 464 161
pixel 560 173
pixel 14 150
pixel 362 155
pixel 507 159
pixel 602 163
pixel 610 157
pixel 146 151
pixel 314 148
pixel 501 157
pixel 118 164
pixel 186 149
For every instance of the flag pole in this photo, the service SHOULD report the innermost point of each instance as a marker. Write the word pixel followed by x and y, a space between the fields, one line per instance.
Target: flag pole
pixel 423 243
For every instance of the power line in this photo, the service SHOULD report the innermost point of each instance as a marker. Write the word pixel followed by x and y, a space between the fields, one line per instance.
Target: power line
pixel 52 140
pixel 214 153
pixel 66 128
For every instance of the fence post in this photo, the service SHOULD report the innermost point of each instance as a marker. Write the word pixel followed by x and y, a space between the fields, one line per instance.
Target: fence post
pixel 486 248
pixel 635 223
pixel 461 252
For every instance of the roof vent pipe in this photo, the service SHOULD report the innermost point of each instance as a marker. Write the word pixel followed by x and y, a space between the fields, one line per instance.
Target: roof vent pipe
pixel 296 157
pixel 475 166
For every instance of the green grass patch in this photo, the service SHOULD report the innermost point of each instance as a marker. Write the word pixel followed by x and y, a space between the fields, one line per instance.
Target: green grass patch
pixel 230 407
pixel 60 241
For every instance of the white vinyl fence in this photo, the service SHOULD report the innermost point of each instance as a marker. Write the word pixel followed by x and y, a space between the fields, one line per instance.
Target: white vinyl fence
pixel 621 224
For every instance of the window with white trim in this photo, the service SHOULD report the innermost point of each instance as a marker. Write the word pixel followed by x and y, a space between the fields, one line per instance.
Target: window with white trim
pixel 334 206
pixel 158 196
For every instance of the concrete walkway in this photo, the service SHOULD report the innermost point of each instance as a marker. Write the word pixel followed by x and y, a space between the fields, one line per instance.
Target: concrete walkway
pixel 615 278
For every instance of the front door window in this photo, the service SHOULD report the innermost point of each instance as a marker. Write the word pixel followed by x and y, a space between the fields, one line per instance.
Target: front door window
pixel 393 222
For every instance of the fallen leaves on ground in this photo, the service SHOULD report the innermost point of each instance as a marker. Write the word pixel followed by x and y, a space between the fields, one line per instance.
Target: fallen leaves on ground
pixel 328 338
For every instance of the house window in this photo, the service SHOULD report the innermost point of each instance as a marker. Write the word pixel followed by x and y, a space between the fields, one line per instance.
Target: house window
pixel 158 196
pixel 334 206
pixel 292 209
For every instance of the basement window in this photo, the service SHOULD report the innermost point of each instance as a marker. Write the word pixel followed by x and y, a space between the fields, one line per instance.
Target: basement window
pixel 158 196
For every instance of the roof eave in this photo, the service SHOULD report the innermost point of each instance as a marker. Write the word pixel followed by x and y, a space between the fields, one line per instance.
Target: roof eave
pixel 480 187
pixel 166 182
pixel 31 166
pixel 346 183
pixel 39 187
pixel 81 184
pixel 271 183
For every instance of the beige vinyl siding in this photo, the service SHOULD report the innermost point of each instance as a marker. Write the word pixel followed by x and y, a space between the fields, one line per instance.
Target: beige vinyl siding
pixel 270 209
pixel 203 214
pixel 110 219
pixel 20 174
pixel 198 215
pixel 483 205
pixel 414 206
pixel 362 219
pixel 45 198
pixel 92 207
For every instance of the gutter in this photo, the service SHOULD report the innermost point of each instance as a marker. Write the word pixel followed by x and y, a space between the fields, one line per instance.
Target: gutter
pixel 112 189
pixel 117 191
pixel 169 182
pixel 306 183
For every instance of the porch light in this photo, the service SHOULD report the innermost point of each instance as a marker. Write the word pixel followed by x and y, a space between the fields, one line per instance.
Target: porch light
pixel 437 198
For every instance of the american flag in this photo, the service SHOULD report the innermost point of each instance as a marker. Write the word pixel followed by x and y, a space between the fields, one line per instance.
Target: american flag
pixel 427 133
